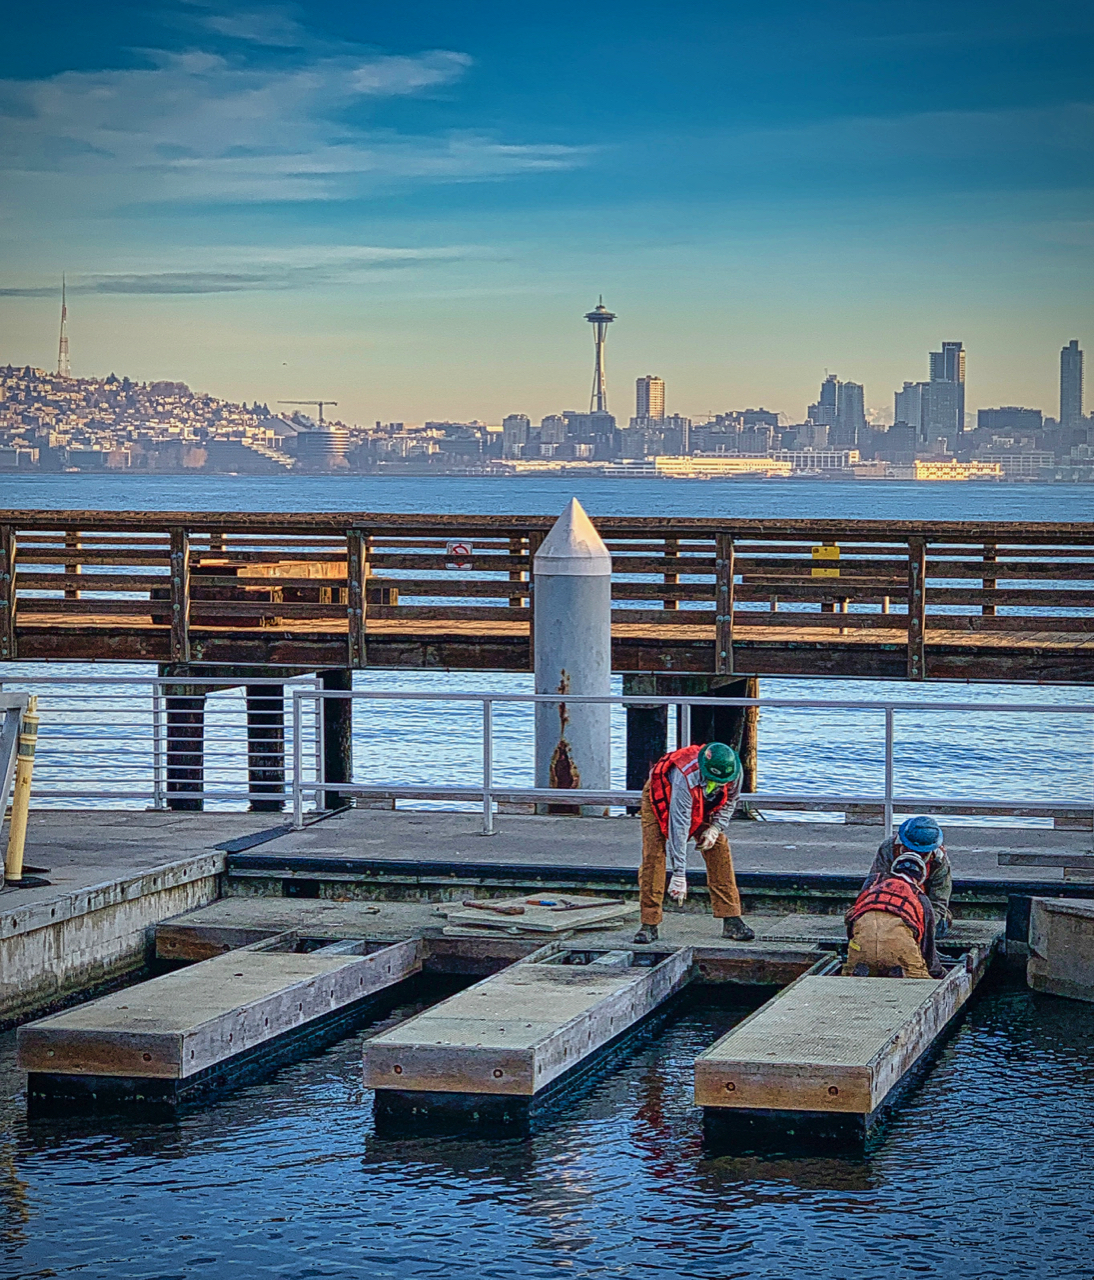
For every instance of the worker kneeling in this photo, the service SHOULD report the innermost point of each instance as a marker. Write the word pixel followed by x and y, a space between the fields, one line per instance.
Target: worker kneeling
pixel 691 794
pixel 892 927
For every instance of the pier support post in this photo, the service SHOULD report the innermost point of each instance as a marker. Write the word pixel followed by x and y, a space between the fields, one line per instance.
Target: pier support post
pixel 647 731
pixel 185 753
pixel 573 655
pixel 337 735
pixel 266 747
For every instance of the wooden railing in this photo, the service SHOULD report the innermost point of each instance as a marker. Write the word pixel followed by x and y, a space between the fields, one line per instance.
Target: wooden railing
pixel 353 575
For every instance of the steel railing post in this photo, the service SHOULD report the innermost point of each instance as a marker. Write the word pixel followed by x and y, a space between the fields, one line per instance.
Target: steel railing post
pixel 297 764
pixel 888 772
pixel 159 753
pixel 487 766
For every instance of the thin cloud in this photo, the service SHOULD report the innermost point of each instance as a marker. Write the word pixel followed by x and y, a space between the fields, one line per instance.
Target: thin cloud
pixel 197 126
pixel 295 268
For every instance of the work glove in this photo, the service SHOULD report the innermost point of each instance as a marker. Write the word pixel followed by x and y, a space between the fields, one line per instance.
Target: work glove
pixel 678 889
pixel 708 839
pixel 942 921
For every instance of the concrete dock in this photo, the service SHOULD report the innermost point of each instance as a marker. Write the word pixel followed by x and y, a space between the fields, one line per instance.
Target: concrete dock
pixel 492 1053
pixel 823 1061
pixel 116 874
pixel 178 1035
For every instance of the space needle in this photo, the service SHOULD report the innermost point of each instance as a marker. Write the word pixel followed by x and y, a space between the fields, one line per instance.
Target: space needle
pixel 600 317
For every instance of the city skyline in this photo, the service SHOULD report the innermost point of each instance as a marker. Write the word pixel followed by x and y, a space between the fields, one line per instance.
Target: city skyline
pixel 401 209
pixel 934 407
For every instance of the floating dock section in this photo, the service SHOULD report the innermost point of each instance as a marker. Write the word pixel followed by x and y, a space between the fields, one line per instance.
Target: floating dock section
pixel 191 1032
pixel 824 1060
pixel 494 1055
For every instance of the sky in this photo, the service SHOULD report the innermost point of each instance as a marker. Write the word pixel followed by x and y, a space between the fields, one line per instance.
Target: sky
pixel 408 208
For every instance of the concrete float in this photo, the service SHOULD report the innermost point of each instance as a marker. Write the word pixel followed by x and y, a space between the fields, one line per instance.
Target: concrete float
pixel 1061 947
pixel 496 1055
pixel 188 1034
pixel 822 1063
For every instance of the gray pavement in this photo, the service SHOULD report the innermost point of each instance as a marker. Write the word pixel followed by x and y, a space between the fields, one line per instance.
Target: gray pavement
pixel 406 835
pixel 87 847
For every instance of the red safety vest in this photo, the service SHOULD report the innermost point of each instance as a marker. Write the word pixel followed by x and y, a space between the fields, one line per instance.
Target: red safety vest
pixel 896 896
pixel 703 808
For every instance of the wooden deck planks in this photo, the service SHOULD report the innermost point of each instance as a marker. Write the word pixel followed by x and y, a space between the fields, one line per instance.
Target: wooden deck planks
pixel 517 1032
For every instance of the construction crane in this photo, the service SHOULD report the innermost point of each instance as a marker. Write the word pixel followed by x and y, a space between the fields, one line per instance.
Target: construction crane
pixel 320 403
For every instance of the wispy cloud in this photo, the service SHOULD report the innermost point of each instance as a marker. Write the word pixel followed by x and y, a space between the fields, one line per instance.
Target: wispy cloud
pixel 203 126
pixel 245 271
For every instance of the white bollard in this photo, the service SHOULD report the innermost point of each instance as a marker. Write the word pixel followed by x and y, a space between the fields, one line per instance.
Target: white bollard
pixel 573 655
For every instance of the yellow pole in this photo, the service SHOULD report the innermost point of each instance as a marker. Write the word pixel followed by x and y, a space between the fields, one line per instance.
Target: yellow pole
pixel 20 801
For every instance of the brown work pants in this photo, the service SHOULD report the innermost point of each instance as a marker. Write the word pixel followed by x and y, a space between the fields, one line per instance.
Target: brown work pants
pixel 721 881
pixel 886 945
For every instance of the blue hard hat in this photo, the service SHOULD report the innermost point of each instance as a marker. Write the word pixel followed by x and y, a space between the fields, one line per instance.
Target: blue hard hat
pixel 920 834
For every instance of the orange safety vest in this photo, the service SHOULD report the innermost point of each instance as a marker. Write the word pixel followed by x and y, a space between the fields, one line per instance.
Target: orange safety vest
pixel 703 808
pixel 896 896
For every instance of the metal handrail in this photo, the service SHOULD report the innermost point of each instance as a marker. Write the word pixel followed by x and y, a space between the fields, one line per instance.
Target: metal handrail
pixel 488 793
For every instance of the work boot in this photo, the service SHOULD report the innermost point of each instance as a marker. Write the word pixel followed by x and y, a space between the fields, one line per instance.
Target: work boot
pixel 646 935
pixel 734 927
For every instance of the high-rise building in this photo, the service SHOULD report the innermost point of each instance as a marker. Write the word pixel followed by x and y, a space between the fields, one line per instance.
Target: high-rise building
pixel 1071 385
pixel 850 425
pixel 826 408
pixel 649 398
pixel 908 407
pixel 514 434
pixel 600 317
pixel 945 411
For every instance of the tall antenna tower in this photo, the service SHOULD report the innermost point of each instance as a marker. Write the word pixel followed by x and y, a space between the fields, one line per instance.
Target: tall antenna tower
pixel 63 368
pixel 600 317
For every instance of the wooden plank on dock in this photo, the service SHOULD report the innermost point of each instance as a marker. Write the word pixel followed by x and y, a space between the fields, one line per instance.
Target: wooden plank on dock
pixel 519 1031
pixel 830 1044
pixel 184 1023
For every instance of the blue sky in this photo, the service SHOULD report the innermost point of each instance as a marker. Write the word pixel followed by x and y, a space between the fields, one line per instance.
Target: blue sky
pixel 409 207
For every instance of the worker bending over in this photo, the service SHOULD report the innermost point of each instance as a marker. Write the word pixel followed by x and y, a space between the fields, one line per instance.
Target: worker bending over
pixel 924 836
pixel 691 793
pixel 891 926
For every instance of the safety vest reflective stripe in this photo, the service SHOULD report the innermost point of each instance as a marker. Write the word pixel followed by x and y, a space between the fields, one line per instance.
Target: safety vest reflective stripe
pixel 895 896
pixel 703 809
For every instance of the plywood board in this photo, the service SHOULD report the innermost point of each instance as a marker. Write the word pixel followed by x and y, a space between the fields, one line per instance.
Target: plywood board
pixel 521 1029
pixel 185 1022
pixel 572 912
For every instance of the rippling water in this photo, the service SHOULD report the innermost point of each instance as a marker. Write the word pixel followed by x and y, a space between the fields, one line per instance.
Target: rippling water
pixel 986 1172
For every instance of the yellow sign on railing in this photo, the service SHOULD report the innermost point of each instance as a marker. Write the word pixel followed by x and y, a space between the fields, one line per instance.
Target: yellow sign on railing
pixel 826 552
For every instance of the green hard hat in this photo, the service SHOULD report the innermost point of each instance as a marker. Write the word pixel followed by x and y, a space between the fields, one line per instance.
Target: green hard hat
pixel 719 763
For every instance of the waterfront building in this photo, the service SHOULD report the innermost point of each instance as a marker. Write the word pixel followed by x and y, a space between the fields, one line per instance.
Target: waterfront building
pixel 1071 385
pixel 948 469
pixel 649 398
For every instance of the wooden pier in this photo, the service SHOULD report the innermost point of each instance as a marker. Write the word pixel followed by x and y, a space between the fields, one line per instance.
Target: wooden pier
pixel 242 591
pixel 823 1062
pixel 492 1054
